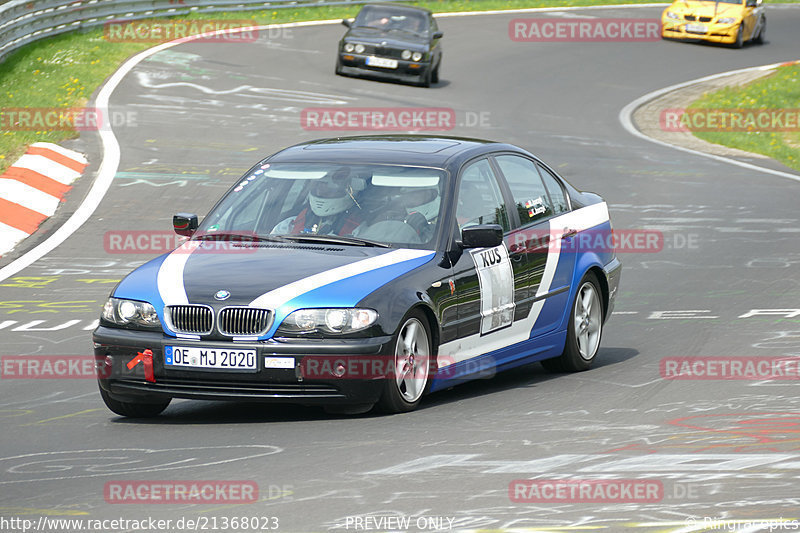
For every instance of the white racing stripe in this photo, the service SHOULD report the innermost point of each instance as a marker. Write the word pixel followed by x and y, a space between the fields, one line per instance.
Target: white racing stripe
pixel 477 345
pixel 277 297
pixel 170 275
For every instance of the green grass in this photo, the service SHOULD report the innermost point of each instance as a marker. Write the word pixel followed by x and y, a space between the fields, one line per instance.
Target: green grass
pixel 780 90
pixel 65 70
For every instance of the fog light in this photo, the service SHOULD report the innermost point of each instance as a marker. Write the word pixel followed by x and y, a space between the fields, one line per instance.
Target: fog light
pixel 103 366
pixel 339 370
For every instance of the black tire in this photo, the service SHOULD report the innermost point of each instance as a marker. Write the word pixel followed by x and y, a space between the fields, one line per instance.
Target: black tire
pixel 580 351
pixel 739 37
pixel 338 67
pixel 435 75
pixel 134 410
pixel 762 31
pixel 425 79
pixel 412 338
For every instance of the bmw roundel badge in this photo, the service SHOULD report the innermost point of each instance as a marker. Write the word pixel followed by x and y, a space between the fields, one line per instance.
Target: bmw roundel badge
pixel 222 295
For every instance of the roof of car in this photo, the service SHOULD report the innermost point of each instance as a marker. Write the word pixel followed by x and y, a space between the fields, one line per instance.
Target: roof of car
pixel 422 150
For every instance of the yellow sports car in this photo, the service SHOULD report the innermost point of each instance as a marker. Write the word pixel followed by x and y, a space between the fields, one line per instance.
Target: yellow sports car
pixel 724 21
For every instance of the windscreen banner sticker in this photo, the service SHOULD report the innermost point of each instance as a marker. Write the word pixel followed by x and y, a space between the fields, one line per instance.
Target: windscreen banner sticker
pixel 496 282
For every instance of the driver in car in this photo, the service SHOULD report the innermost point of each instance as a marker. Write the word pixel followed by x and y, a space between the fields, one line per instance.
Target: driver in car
pixel 331 207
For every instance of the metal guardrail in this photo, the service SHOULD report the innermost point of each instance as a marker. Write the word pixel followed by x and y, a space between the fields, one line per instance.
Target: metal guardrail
pixel 25 21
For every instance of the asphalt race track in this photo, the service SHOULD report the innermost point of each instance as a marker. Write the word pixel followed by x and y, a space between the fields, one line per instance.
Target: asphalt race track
pixel 202 113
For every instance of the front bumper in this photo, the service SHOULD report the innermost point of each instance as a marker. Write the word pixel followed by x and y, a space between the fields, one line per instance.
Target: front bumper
pixel 715 33
pixel 288 385
pixel 356 64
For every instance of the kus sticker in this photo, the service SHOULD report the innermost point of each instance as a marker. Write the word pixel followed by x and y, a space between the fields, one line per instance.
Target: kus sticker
pixel 496 281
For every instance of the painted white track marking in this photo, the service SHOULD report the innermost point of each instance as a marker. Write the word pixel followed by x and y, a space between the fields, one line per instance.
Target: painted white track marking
pixel 626 118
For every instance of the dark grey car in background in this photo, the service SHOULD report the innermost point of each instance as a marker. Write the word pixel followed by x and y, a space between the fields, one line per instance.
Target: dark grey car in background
pixel 392 41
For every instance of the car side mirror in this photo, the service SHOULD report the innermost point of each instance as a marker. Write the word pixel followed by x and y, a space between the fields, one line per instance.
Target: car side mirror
pixel 184 224
pixel 482 236
pixel 347 22
pixel 438 34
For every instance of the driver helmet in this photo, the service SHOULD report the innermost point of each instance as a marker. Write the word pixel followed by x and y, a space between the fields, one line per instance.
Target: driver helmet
pixel 334 193
pixel 424 201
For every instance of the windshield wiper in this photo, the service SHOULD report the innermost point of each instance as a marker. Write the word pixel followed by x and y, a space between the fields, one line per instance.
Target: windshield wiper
pixel 335 239
pixel 237 237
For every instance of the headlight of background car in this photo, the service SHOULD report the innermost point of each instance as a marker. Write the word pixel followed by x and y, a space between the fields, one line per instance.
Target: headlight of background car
pixel 416 56
pixel 131 313
pixel 359 48
pixel 328 321
pixel 726 20
pixel 672 15
pixel 348 47
pixel 406 54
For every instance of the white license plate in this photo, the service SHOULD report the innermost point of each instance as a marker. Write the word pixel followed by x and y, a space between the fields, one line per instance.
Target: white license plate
pixel 216 358
pixel 696 28
pixel 382 62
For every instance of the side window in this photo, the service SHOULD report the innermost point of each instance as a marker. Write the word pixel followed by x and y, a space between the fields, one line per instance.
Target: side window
pixel 530 195
pixel 479 197
pixel 560 204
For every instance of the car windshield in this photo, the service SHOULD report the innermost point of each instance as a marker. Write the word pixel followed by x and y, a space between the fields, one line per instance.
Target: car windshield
pixel 388 19
pixel 365 205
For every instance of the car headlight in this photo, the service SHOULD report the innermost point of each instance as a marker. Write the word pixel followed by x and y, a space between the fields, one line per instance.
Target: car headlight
pixel 406 54
pixel 335 320
pixel 359 48
pixel 416 56
pixel 348 47
pixel 726 20
pixel 672 15
pixel 131 313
